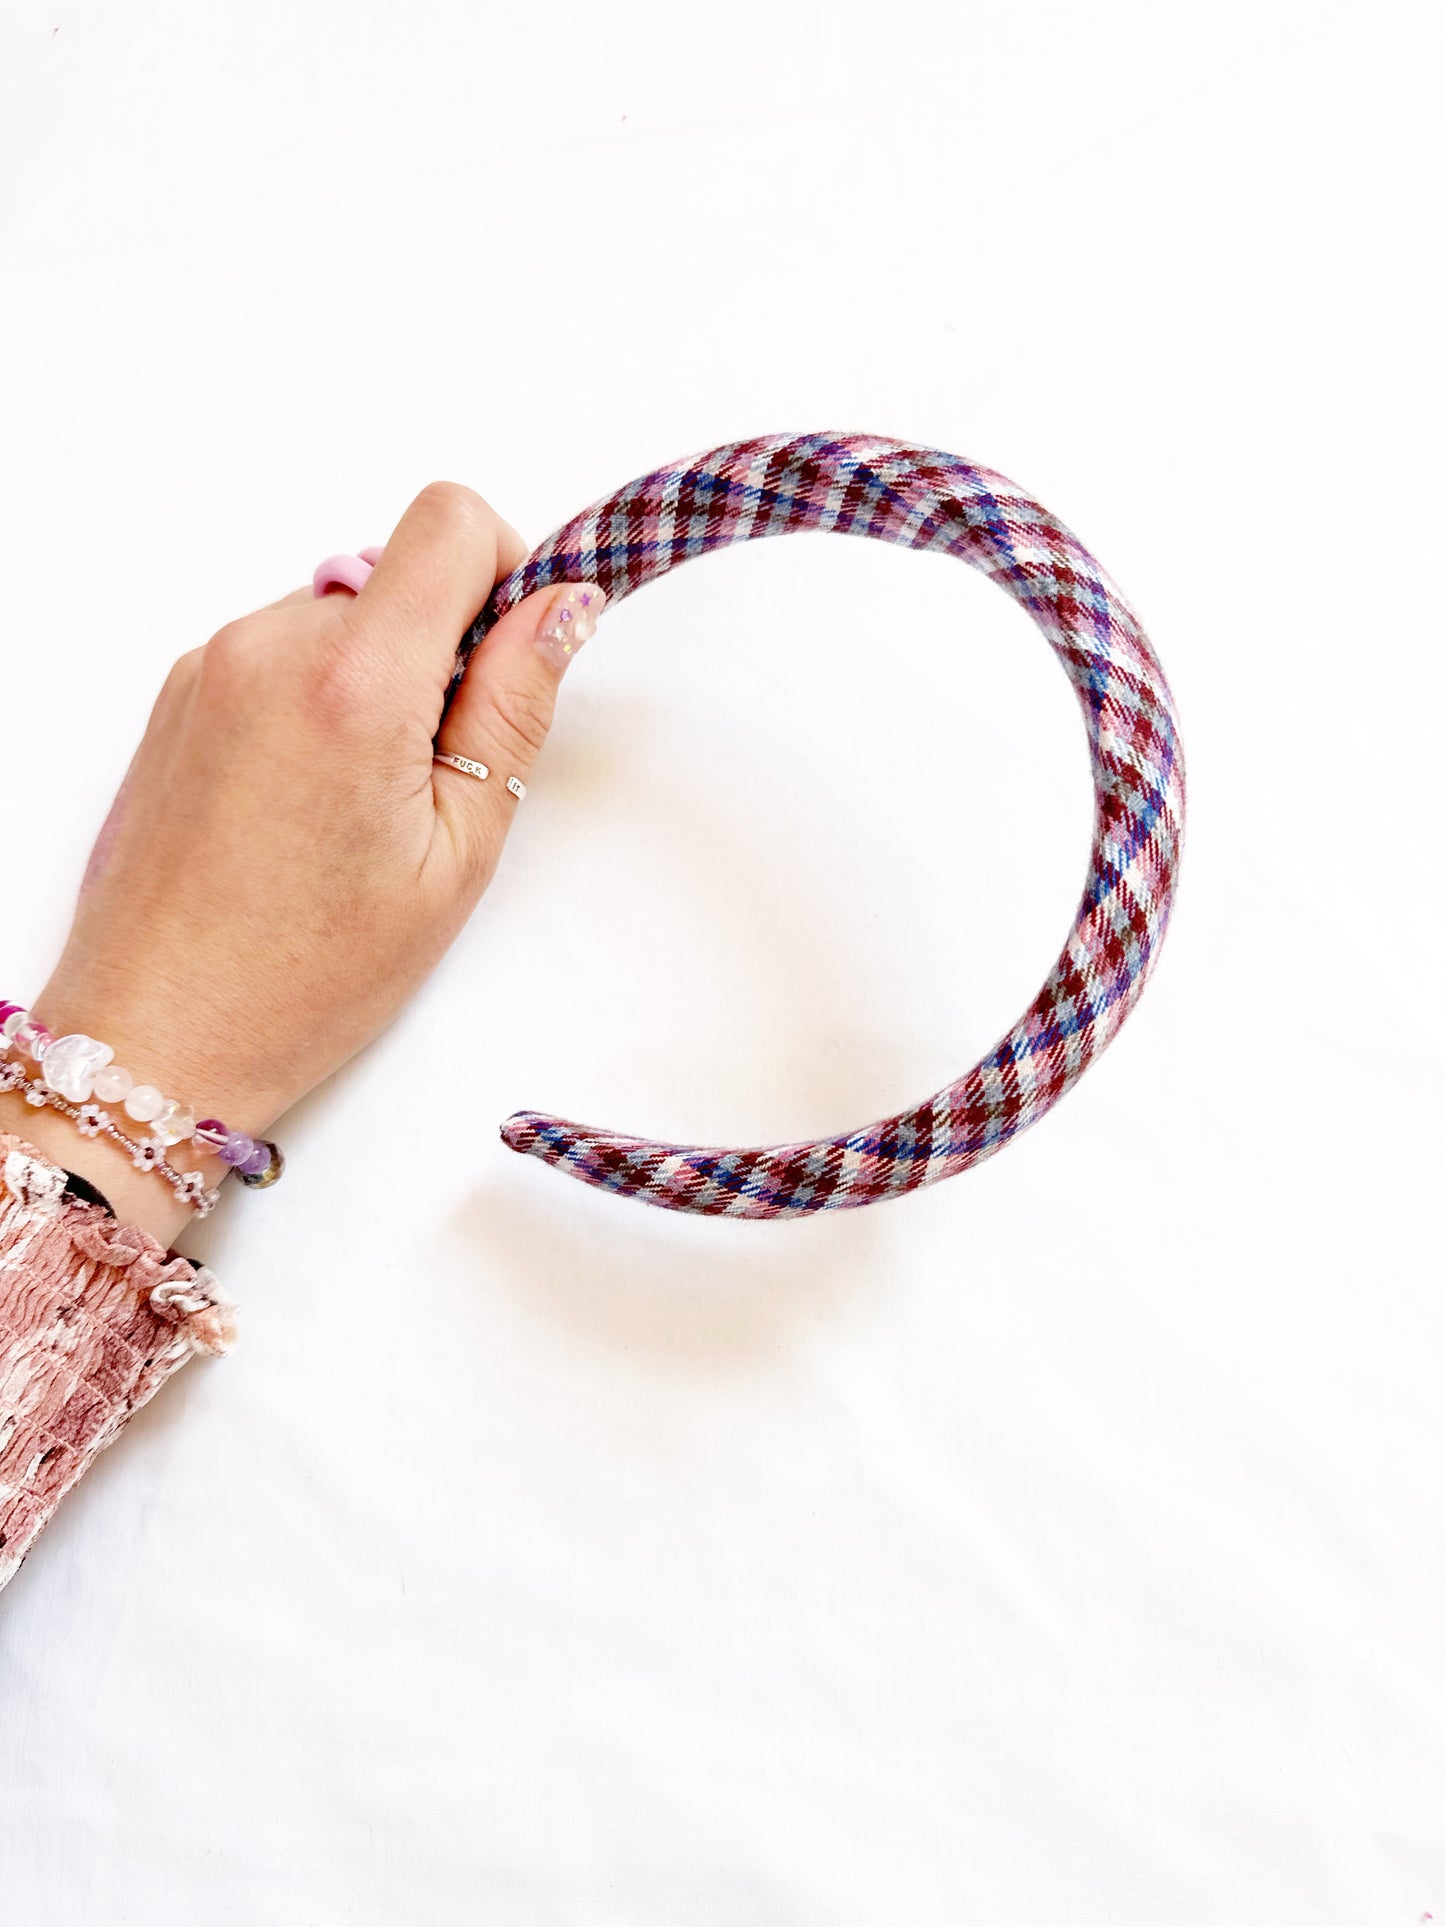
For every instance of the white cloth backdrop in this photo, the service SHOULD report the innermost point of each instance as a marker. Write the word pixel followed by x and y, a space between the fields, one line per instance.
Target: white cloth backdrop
pixel 1062 1543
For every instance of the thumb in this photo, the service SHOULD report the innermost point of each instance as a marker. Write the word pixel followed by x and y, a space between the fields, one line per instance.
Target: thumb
pixel 502 711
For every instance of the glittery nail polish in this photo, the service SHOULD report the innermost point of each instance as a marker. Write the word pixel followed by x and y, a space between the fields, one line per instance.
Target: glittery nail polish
pixel 569 622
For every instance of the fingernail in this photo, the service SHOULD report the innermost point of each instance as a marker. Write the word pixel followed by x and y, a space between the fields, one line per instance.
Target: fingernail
pixel 571 619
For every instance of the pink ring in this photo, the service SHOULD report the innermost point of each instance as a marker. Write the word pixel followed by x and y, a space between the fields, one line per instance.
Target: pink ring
pixel 350 571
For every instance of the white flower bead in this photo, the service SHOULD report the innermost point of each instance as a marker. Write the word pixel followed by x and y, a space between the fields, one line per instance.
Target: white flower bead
pixel 144 1103
pixel 71 1064
pixel 192 1188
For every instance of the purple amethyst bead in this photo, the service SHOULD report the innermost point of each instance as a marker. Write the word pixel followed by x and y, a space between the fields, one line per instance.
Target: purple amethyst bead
pixel 211 1133
pixel 237 1148
pixel 256 1163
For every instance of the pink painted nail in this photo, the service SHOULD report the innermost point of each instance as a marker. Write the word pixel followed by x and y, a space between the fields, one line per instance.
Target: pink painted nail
pixel 571 619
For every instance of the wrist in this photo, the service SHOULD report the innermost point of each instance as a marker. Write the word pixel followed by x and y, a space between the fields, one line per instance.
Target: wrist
pixel 198 1064
pixel 136 1197
pixel 124 1130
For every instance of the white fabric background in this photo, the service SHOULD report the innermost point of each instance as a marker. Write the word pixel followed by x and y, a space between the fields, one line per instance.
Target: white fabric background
pixel 1062 1543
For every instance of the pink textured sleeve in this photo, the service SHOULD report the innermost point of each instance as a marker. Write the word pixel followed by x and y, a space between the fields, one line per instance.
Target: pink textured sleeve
pixel 94 1317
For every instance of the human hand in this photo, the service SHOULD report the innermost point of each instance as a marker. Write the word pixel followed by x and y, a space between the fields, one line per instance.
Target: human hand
pixel 284 862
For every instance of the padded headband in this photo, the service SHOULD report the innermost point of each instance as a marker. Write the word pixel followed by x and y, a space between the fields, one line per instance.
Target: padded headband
pixel 927 499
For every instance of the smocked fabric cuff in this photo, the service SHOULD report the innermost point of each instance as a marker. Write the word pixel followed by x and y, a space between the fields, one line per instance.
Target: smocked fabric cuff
pixel 95 1315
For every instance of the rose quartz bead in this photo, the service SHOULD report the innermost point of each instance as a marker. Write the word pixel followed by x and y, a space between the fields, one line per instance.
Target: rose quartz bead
pixel 113 1083
pixel 144 1103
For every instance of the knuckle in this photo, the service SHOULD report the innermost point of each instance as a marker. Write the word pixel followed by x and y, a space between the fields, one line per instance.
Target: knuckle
pixel 521 715
pixel 330 683
pixel 179 685
pixel 230 639
pixel 184 671
pixel 457 505
pixel 228 660
pixel 339 689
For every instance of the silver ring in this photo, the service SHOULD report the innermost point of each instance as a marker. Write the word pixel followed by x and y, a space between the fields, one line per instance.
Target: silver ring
pixel 469 768
pixel 463 763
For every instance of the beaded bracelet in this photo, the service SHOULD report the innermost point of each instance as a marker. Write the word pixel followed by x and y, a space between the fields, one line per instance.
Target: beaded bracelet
pixel 76 1070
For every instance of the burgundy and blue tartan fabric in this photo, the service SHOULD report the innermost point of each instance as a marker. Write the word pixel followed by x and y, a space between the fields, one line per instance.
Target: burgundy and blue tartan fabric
pixel 925 498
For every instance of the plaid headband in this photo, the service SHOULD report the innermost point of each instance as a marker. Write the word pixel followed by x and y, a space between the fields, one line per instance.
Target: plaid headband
pixel 893 492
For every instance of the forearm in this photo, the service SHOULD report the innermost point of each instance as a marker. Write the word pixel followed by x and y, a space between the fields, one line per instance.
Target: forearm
pixel 283 864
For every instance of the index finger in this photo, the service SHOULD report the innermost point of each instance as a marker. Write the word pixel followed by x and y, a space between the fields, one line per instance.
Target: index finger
pixel 435 571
